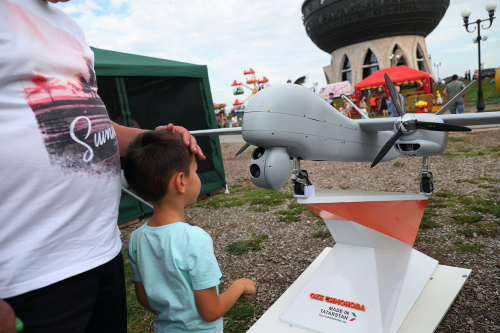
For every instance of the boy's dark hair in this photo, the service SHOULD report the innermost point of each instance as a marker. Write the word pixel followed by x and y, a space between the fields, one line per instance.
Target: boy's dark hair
pixel 153 157
pixel 454 77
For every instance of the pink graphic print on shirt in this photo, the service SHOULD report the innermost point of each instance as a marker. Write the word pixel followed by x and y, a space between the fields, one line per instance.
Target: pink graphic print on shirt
pixel 61 90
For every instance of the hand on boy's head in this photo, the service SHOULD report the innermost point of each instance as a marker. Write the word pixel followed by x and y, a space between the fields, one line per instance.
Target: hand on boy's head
pixel 188 139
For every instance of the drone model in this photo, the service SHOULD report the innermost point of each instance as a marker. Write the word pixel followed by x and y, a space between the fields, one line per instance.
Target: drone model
pixel 292 122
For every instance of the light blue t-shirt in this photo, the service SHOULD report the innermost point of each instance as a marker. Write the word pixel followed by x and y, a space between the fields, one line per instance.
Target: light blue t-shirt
pixel 171 261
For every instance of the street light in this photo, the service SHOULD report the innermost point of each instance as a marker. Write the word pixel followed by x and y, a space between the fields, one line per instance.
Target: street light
pixel 437 67
pixel 490 8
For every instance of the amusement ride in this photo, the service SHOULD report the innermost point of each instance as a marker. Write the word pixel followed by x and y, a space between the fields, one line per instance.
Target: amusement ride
pixel 253 84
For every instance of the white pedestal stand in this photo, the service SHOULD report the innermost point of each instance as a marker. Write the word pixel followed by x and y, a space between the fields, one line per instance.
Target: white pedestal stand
pixel 372 278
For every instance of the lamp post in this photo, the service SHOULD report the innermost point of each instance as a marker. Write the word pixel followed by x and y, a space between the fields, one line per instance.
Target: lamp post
pixel 437 67
pixel 490 8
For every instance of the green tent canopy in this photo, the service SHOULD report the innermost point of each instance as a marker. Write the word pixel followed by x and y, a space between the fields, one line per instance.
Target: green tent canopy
pixel 147 92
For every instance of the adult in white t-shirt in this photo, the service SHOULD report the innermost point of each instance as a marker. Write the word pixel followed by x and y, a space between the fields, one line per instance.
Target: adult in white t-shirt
pixel 60 264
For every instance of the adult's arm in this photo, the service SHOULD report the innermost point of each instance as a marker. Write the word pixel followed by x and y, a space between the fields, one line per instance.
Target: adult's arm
pixel 125 135
pixel 7 318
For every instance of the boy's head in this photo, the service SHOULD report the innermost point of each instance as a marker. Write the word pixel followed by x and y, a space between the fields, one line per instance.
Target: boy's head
pixel 154 160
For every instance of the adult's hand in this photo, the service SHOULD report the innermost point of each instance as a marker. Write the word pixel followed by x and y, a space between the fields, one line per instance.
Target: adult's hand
pixel 7 318
pixel 188 139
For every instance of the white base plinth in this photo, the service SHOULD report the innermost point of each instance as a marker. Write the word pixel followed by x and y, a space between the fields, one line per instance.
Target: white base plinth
pixel 425 315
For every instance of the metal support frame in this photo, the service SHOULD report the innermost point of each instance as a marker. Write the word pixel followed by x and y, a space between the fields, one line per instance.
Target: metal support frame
pixel 426 178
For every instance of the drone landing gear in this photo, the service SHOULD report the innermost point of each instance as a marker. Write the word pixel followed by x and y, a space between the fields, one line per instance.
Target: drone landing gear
pixel 300 178
pixel 426 179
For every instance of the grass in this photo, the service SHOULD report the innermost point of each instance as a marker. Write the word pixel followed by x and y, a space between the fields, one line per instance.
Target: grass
pixel 470 181
pixel 482 229
pixel 489 179
pixel 241 314
pixel 399 164
pixel 452 139
pixel 241 195
pixel 138 318
pixel 245 246
pixel 322 234
pixel 473 248
pixel 293 213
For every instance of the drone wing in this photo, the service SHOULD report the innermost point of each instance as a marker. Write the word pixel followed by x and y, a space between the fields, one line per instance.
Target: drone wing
pixel 387 124
pixel 217 131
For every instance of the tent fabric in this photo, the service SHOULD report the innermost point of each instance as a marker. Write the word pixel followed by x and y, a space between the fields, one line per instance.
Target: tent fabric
pixel 397 74
pixel 148 92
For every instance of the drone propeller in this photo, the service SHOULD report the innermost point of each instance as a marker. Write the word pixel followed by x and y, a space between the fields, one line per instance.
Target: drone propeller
pixel 408 123
pixel 385 149
pixel 395 95
pixel 242 149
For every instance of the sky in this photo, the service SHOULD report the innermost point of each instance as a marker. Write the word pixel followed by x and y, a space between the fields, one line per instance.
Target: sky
pixel 268 36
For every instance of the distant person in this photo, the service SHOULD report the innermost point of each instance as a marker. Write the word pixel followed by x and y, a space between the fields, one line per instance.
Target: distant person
pixel 373 105
pixel 330 99
pixel 451 90
pixel 348 109
pixel 174 268
pixel 439 98
pixel 392 110
pixel 383 106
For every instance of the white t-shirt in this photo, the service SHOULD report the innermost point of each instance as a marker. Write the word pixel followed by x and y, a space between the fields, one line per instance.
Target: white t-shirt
pixel 59 160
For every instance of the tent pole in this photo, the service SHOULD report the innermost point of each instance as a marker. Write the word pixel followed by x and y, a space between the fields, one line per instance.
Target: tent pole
pixel 137 197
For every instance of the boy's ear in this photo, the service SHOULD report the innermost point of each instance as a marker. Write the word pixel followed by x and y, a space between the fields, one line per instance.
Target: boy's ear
pixel 179 182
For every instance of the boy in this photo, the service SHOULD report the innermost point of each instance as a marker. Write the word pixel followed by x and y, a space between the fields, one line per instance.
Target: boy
pixel 173 264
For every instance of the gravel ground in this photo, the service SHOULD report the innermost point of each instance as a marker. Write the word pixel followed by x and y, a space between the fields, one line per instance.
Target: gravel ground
pixel 291 246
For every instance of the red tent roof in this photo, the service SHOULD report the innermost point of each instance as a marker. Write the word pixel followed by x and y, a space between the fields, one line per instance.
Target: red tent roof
pixel 236 83
pixel 238 102
pixel 397 74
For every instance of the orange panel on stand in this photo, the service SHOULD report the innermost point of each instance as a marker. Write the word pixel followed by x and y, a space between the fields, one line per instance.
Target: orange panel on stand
pixel 396 219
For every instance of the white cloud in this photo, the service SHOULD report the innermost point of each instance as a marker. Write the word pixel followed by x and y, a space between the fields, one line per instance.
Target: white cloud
pixel 231 35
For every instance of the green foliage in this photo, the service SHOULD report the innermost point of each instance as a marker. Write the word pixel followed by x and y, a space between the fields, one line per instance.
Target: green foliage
pixel 463 219
pixel 293 213
pixel 452 139
pixel 322 234
pixel 241 314
pixel 320 222
pixel 474 248
pixel 482 229
pixel 489 179
pixel 421 239
pixel 245 246
pixel 470 181
pixel 344 187
pixel 445 194
pixel 138 318
pixel 399 164
pixel 242 195
pixel 427 221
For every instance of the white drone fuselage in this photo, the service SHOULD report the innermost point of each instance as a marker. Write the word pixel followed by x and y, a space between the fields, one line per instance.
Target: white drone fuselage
pixel 292 122
pixel 298 119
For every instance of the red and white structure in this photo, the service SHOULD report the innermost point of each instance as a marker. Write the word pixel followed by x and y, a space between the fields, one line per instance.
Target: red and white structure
pixel 372 280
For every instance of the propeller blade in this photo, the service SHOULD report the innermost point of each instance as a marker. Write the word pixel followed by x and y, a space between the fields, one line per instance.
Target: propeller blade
pixel 441 127
pixel 242 149
pixel 385 149
pixel 394 95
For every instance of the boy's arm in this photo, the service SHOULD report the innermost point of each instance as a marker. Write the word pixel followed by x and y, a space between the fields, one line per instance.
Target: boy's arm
pixel 141 296
pixel 212 306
